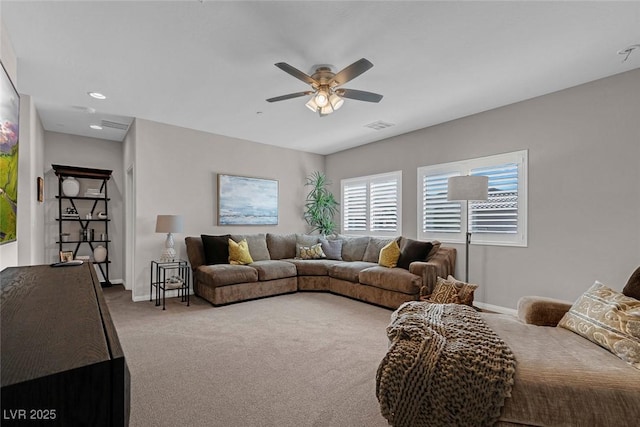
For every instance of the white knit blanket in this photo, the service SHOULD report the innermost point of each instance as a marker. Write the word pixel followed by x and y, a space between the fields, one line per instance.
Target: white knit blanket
pixel 444 367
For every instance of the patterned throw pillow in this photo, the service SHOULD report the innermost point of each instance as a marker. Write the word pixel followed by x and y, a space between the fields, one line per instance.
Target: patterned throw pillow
pixel 239 253
pixel 445 292
pixel 312 252
pixel 465 290
pixel 609 319
pixel 389 254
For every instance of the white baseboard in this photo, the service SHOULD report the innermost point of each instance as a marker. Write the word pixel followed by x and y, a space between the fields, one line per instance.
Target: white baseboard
pixel 496 308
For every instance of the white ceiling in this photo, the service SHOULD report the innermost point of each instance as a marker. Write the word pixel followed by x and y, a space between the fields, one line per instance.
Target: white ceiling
pixel 209 65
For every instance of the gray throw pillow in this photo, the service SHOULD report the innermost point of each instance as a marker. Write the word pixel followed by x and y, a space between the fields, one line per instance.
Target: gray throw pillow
pixel 332 248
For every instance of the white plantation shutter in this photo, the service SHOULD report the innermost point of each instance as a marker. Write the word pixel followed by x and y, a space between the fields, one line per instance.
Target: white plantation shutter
pixel 372 204
pixel 383 196
pixel 354 206
pixel 440 215
pixel 499 214
pixel 501 220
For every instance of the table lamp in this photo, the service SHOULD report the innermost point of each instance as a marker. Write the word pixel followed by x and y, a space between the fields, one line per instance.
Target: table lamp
pixel 169 224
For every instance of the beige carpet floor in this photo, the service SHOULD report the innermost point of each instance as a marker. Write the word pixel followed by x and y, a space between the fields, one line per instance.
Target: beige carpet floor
pixel 304 359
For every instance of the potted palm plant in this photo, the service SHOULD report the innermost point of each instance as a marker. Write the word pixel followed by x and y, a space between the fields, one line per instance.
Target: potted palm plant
pixel 320 205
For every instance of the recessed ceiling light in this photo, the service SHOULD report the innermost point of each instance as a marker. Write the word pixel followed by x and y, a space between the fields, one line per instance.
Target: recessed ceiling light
pixel 95 127
pixel 97 95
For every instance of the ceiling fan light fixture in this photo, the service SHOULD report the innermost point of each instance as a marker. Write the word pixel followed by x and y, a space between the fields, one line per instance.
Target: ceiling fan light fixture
pixel 335 101
pixel 322 98
pixel 327 109
pixel 311 104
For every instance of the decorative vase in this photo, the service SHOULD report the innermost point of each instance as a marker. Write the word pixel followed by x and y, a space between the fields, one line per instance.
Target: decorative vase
pixel 70 187
pixel 100 254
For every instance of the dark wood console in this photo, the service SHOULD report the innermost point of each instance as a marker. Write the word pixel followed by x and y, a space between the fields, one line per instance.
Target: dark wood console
pixel 61 360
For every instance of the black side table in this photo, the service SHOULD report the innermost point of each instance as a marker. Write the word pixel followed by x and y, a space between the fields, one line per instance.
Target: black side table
pixel 169 275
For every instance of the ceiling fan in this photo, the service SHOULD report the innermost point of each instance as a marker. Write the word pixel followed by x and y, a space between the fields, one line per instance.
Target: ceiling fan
pixel 327 95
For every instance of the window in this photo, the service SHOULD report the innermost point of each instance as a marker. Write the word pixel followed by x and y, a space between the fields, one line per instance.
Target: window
pixel 501 220
pixel 372 204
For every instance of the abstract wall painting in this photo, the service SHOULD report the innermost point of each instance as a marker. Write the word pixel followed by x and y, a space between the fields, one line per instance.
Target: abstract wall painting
pixel 247 201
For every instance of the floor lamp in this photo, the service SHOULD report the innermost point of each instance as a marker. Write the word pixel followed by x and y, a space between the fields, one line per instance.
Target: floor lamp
pixel 468 188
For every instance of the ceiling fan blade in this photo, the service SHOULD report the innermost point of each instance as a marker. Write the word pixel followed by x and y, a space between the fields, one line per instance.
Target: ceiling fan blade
pixel 289 96
pixel 296 73
pixel 360 95
pixel 351 72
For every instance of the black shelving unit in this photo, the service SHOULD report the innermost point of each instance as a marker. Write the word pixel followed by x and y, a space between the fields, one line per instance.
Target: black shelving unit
pixel 84 205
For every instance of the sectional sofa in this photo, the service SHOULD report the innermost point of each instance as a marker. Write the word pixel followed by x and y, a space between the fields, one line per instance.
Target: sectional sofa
pixel 350 268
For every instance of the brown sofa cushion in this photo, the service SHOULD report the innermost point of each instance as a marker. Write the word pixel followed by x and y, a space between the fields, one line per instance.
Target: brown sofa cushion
pixel 257 245
pixel 353 247
pixel 273 269
pixel 313 267
pixel 281 246
pixel 609 319
pixel 216 249
pixel 392 279
pixel 349 270
pixel 412 250
pixel 632 288
pixel 225 274
pixel 375 245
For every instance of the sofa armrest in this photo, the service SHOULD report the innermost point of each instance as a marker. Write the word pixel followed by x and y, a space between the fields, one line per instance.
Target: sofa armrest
pixel 542 311
pixel 442 264
pixel 195 251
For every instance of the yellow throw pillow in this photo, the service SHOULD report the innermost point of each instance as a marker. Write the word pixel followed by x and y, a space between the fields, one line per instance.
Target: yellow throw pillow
pixel 389 254
pixel 239 252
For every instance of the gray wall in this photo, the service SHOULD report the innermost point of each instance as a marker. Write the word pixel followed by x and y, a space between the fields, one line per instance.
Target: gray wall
pixel 175 172
pixel 584 186
pixel 73 150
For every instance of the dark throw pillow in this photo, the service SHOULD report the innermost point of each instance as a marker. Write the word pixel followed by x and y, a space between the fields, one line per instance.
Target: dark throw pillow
pixel 413 250
pixel 632 288
pixel 216 249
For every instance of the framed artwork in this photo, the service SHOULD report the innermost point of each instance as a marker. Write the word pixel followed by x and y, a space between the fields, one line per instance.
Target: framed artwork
pixel 40 189
pixel 9 120
pixel 247 201
pixel 66 256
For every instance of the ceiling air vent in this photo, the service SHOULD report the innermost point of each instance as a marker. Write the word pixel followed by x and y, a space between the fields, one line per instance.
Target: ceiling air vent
pixel 379 125
pixel 114 125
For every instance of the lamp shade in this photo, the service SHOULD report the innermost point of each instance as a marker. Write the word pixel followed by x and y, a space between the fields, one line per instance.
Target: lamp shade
pixel 169 224
pixel 470 187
